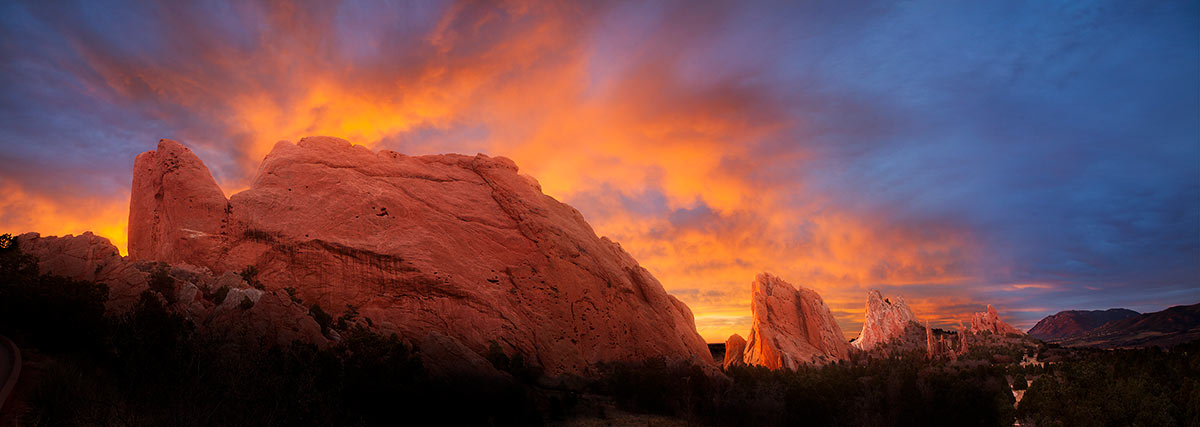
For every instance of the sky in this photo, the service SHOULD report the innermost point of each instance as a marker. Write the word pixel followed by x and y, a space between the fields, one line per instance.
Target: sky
pixel 1038 156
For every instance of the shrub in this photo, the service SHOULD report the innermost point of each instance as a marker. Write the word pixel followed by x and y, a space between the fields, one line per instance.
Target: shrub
pixel 220 294
pixel 291 292
pixel 250 275
pixel 162 282
pixel 347 317
pixel 323 319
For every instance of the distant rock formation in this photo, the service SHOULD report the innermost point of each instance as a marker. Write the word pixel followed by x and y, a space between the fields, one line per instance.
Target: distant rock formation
pixel 222 305
pixel 1175 325
pixel 735 350
pixel 1068 324
pixel 791 327
pixel 989 321
pixel 944 344
pixel 460 250
pixel 885 320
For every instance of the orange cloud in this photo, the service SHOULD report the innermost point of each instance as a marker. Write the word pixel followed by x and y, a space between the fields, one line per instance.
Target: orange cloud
pixel 594 129
pixel 22 211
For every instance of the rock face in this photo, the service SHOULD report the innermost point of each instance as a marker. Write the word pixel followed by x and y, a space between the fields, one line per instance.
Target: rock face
pixel 989 321
pixel 91 258
pixel 269 318
pixel 1067 324
pixel 461 248
pixel 791 327
pixel 735 349
pixel 176 209
pixel 885 320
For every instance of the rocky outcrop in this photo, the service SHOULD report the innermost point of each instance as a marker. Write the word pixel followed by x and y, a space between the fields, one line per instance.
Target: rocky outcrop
pixel 176 209
pixel 224 305
pixel 461 248
pixel 791 327
pixel 885 320
pixel 90 258
pixel 1068 324
pixel 735 349
pixel 989 321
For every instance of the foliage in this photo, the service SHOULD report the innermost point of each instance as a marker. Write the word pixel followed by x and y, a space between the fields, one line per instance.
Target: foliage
pixel 250 275
pixel 347 317
pixel 1020 382
pixel 291 292
pixel 220 294
pixel 246 303
pixel 162 282
pixel 1118 387
pixel 323 319
pixel 872 392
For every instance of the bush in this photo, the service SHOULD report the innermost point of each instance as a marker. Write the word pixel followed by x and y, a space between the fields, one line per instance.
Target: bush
pixel 162 282
pixel 250 275
pixel 220 294
pixel 347 317
pixel 323 319
pixel 291 292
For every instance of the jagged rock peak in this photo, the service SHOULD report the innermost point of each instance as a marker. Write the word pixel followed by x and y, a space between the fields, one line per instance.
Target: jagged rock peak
pixel 885 319
pixel 453 250
pixel 989 321
pixel 792 326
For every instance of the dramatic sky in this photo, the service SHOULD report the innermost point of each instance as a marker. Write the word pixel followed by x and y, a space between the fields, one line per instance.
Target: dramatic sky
pixel 1039 156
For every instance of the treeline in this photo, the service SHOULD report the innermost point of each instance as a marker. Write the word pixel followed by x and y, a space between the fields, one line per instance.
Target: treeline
pixel 895 391
pixel 1142 387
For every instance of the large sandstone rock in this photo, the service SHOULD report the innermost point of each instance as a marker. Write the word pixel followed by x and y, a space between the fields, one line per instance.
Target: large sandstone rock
pixel 272 319
pixel 886 319
pixel 463 247
pixel 735 350
pixel 791 327
pixel 176 208
pixel 989 321
pixel 91 258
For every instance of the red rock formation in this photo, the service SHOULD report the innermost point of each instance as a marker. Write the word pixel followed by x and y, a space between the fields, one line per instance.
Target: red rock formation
pixel 88 257
pixel 176 209
pixel 989 321
pixel 272 319
pixel 791 326
pixel 735 349
pixel 461 247
pixel 930 350
pixel 885 320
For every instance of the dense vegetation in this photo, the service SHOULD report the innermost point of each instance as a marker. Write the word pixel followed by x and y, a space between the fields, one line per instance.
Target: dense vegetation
pixel 1144 387
pixel 879 392
pixel 151 367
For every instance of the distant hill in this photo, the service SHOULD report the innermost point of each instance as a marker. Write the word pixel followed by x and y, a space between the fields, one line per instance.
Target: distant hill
pixel 1172 326
pixel 1068 324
